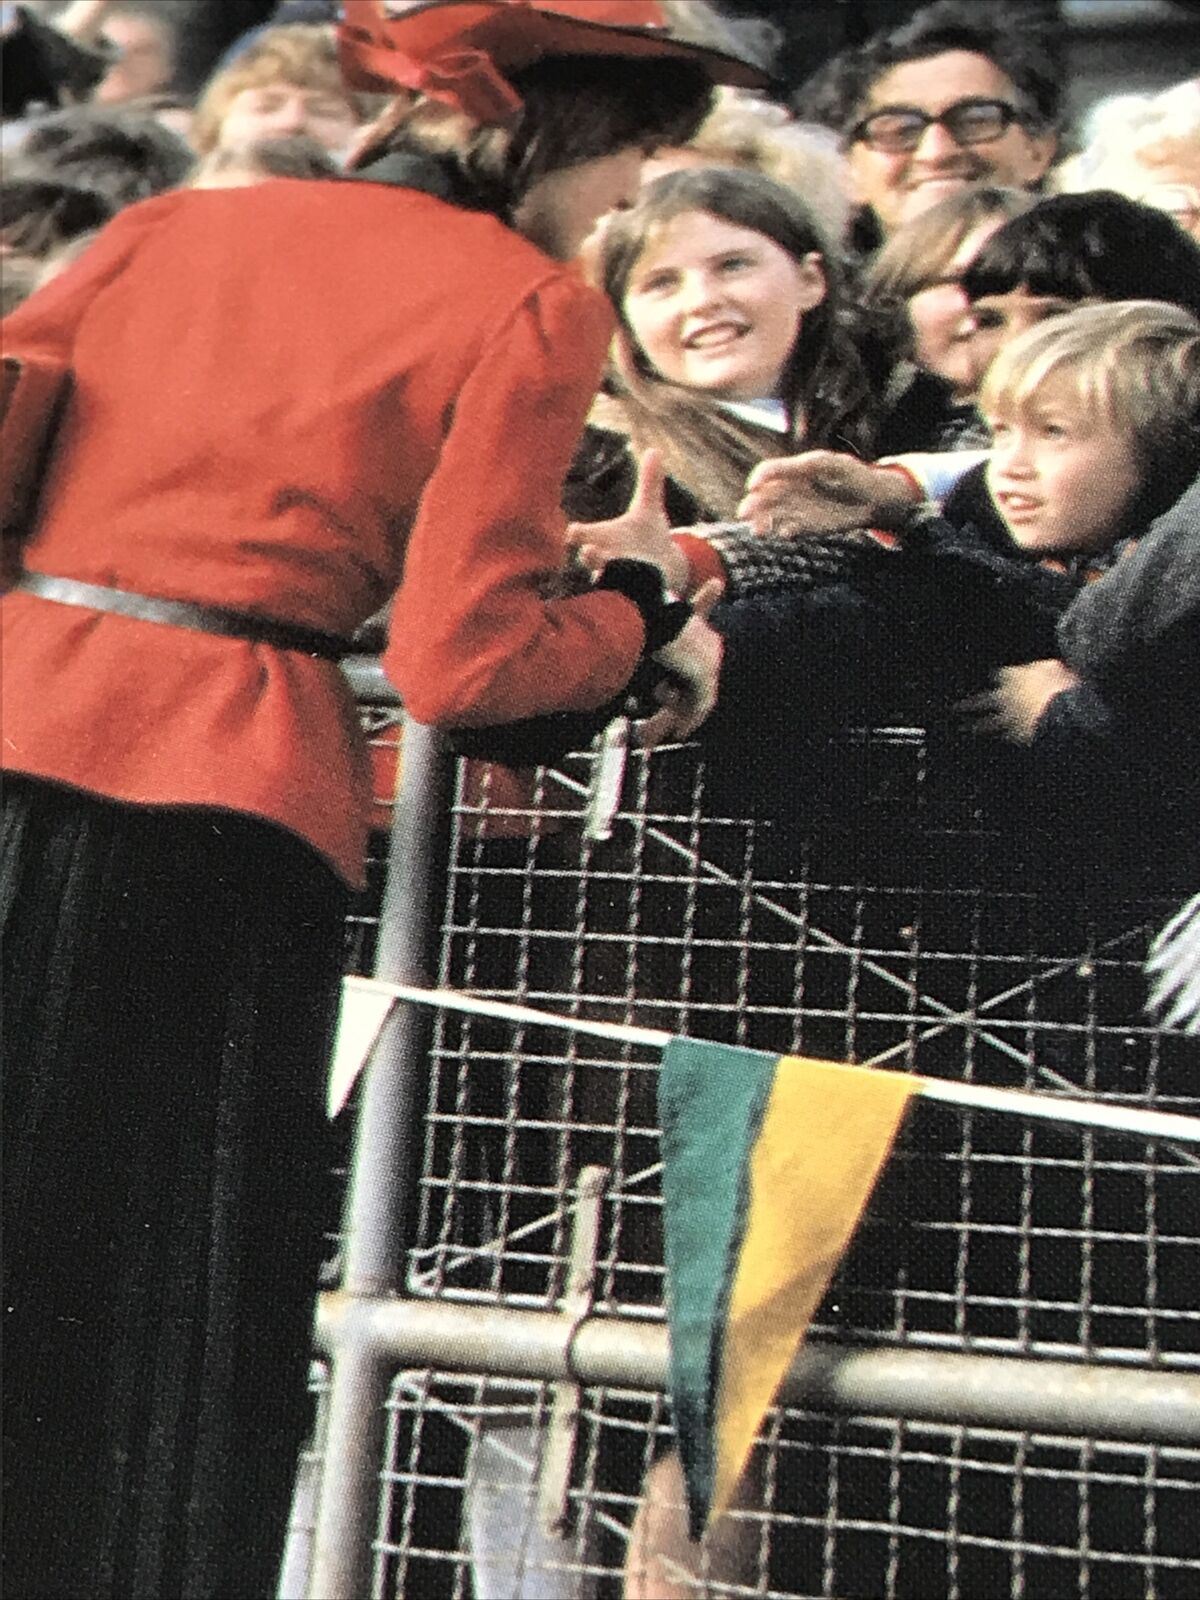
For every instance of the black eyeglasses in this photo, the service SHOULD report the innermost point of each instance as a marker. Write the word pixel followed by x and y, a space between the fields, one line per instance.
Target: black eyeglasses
pixel 895 130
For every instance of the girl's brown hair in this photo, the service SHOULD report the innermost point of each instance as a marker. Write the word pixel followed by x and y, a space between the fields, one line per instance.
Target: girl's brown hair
pixel 708 450
pixel 917 253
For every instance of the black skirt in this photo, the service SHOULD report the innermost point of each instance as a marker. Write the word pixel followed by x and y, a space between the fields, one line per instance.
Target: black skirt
pixel 170 988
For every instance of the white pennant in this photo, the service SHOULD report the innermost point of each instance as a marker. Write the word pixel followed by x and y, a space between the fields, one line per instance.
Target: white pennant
pixel 364 1012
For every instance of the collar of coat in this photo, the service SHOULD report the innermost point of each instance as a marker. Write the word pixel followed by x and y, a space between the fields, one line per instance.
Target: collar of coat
pixel 410 169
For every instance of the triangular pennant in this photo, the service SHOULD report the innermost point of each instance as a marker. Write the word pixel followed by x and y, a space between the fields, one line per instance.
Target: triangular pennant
pixel 364 1012
pixel 767 1165
pixel 823 1141
pixel 711 1100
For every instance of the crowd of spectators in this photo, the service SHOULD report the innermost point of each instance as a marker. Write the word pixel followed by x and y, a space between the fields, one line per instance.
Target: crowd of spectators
pixel 906 365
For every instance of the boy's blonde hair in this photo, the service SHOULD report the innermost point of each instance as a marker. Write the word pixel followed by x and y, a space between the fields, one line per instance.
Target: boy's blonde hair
pixel 1133 364
pixel 300 54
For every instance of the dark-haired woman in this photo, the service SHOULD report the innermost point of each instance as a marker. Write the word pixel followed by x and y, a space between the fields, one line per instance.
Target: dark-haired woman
pixel 286 400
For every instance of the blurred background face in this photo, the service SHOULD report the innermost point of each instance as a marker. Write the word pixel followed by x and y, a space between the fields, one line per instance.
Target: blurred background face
pixel 994 320
pixel 900 185
pixel 718 307
pixel 937 313
pixel 1181 200
pixel 283 110
pixel 1171 182
pixel 145 63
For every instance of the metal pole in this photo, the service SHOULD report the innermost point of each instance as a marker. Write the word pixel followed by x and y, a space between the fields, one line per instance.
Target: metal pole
pixel 386 1147
pixel 1020 1394
pixel 387 1143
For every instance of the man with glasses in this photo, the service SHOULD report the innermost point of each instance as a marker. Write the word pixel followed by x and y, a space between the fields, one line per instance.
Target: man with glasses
pixel 959 95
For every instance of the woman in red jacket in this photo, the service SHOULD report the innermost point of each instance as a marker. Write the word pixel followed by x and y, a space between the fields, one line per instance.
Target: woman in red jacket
pixel 285 402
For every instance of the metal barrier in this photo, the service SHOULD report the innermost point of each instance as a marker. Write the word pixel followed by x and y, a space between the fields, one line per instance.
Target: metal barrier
pixel 1000 1395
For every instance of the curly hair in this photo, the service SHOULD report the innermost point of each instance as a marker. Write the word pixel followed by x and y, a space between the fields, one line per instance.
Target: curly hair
pixel 301 54
pixel 836 95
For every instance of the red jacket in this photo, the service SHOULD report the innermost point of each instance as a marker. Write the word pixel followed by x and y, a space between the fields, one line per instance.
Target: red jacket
pixel 287 399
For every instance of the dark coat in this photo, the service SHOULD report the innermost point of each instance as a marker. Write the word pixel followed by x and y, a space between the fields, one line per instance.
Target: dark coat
pixel 1134 639
pixel 867 633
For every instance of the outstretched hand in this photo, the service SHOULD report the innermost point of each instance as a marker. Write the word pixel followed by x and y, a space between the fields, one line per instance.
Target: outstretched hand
pixel 1013 707
pixel 823 491
pixel 641 533
pixel 693 663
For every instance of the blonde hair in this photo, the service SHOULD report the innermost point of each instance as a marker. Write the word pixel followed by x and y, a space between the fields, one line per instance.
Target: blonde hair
pixel 1133 364
pixel 297 53
pixel 745 130
pixel 1128 135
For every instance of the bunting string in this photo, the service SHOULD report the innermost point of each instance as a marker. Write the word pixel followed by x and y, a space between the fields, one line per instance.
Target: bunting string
pixel 1135 1121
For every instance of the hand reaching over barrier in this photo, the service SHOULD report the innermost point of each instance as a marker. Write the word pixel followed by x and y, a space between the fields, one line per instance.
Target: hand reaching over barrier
pixel 1014 705
pixel 641 533
pixel 825 491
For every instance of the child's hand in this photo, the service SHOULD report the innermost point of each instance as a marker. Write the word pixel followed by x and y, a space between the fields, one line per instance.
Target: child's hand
pixel 1021 694
pixel 824 491
pixel 641 533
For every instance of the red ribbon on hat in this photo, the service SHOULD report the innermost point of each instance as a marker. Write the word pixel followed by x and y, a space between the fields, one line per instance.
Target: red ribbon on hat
pixel 460 75
pixel 468 80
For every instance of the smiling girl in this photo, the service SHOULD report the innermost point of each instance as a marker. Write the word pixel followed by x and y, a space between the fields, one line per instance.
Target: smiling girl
pixel 729 348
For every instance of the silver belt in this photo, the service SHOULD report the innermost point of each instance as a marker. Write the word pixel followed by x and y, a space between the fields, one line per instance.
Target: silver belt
pixel 186 614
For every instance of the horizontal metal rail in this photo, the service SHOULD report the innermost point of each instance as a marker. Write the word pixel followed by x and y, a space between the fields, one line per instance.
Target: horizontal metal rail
pixel 1017 1394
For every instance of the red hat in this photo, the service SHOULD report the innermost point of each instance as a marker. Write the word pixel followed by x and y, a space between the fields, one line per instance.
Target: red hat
pixel 458 51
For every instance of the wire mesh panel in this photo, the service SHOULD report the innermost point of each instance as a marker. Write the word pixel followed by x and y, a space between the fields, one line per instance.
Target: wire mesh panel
pixel 985 1229
pixel 859 1510
pixel 890 928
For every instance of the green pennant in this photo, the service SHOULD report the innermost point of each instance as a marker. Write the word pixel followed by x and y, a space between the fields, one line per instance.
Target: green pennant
pixel 712 1098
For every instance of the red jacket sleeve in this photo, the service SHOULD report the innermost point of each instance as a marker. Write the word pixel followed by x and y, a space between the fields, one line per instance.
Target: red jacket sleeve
pixel 473 642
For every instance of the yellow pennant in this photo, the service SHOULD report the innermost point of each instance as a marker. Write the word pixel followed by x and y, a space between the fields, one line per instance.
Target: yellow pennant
pixel 824 1139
